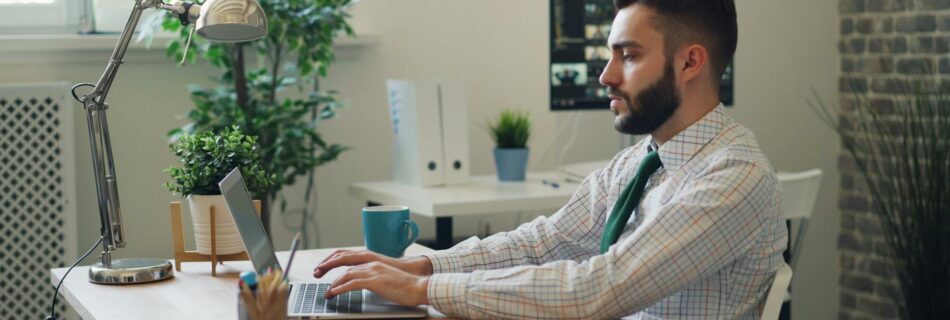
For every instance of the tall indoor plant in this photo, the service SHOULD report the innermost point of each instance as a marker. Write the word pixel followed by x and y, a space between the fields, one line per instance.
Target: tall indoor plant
pixel 903 152
pixel 511 132
pixel 204 159
pixel 295 54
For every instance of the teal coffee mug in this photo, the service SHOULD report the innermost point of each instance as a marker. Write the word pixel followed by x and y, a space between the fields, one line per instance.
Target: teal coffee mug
pixel 387 230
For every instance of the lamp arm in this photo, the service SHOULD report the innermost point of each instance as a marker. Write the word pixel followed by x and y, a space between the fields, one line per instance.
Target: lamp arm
pixel 135 270
pixel 110 214
pixel 105 81
pixel 186 11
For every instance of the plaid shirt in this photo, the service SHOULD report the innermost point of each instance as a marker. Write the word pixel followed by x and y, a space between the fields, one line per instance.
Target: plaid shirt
pixel 704 242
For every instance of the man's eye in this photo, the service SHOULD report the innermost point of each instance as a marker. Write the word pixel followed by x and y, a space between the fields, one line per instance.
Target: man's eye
pixel 629 57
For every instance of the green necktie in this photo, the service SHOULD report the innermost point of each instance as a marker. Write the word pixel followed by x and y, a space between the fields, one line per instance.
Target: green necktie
pixel 629 199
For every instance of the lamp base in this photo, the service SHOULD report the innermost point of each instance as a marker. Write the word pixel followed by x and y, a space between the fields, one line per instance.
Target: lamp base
pixel 131 271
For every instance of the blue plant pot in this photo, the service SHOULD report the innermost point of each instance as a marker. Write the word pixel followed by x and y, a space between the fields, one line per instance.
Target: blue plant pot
pixel 511 163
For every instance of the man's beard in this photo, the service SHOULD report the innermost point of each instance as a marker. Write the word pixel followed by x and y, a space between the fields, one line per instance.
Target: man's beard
pixel 655 105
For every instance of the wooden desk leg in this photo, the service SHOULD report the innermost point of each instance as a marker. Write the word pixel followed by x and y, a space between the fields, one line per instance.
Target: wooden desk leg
pixel 178 237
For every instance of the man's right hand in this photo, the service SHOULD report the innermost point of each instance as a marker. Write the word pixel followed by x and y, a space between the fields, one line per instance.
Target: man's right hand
pixel 415 265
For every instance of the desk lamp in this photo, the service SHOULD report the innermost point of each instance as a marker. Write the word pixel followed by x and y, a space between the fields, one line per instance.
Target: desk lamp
pixel 216 20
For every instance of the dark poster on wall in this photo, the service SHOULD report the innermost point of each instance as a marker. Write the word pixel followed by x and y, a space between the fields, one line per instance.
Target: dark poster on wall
pixel 579 53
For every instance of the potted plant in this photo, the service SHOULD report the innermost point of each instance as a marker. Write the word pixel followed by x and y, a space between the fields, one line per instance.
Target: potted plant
pixel 271 89
pixel 205 159
pixel 903 154
pixel 510 133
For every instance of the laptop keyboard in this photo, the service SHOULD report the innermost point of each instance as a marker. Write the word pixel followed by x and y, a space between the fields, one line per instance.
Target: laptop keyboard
pixel 311 298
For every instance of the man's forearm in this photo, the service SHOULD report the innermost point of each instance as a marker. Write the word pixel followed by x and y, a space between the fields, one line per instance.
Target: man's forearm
pixel 564 289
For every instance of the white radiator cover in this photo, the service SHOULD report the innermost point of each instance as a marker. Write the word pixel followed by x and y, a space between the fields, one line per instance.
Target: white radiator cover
pixel 37 194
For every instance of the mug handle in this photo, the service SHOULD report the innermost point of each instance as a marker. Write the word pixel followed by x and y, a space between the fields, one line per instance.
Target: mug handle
pixel 413 236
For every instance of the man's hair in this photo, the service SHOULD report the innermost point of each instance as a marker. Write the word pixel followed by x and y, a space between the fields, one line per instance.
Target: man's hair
pixel 711 23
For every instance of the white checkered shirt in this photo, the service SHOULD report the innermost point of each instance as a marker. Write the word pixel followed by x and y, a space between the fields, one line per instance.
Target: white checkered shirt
pixel 703 244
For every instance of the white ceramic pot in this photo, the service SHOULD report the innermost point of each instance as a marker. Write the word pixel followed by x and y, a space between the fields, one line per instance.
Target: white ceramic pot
pixel 226 235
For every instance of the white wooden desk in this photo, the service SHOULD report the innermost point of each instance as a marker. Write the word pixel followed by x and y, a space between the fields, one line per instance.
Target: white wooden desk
pixel 482 195
pixel 192 294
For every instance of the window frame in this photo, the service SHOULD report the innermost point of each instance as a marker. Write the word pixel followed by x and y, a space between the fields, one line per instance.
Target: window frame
pixel 61 16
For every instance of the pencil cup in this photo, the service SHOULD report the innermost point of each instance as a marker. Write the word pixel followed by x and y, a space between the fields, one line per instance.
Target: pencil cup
pixel 264 300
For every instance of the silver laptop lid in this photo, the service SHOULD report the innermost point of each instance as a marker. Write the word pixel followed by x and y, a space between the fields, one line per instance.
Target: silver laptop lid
pixel 249 226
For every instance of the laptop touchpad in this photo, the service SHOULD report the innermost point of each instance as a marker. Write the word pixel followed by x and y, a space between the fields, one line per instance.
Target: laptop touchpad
pixel 373 303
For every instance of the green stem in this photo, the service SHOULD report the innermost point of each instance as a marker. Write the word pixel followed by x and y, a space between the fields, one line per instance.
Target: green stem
pixel 240 79
pixel 311 175
pixel 275 71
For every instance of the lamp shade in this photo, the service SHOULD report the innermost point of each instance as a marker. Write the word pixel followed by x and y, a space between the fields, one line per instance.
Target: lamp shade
pixel 232 20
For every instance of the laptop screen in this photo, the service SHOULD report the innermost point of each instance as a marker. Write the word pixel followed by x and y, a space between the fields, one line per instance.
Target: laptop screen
pixel 248 224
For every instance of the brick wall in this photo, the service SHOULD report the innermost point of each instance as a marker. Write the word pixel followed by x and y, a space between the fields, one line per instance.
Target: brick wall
pixel 883 42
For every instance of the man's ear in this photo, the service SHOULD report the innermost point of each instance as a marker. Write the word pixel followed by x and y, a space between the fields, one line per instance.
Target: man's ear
pixel 693 60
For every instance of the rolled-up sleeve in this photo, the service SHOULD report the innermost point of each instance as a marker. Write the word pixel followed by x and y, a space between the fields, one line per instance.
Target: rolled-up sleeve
pixel 572 233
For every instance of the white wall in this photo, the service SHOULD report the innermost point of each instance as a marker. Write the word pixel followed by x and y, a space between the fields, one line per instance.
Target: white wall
pixel 499 48
pixel 786 48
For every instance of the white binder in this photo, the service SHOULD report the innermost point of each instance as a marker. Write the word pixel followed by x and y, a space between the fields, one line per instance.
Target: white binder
pixel 430 132
pixel 454 132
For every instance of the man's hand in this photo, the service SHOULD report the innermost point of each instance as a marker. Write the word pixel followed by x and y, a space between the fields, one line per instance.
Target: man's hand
pixel 419 266
pixel 387 281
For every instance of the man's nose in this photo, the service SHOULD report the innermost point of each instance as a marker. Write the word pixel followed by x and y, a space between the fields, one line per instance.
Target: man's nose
pixel 610 77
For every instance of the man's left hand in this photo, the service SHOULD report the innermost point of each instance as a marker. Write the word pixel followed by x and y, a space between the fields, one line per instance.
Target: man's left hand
pixel 389 282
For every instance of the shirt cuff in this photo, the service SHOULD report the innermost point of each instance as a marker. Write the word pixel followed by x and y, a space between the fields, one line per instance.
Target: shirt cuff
pixel 450 260
pixel 446 293
pixel 445 262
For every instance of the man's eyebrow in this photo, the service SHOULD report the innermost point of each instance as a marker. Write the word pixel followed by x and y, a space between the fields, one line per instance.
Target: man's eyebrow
pixel 625 44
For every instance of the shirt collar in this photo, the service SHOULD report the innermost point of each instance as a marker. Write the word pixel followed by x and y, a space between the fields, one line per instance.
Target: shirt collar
pixel 682 147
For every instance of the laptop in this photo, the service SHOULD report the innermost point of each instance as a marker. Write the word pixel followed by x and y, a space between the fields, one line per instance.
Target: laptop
pixel 306 298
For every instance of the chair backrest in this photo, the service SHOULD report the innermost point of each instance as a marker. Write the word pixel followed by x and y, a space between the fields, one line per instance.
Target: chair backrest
pixel 776 295
pixel 799 191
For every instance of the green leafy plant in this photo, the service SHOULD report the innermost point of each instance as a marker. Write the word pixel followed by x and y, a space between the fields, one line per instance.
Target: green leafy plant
pixel 206 158
pixel 278 98
pixel 903 153
pixel 511 130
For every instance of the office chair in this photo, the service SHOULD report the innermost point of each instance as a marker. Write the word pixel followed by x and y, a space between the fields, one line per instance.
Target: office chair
pixel 799 192
pixel 777 293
